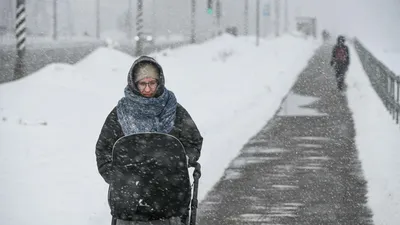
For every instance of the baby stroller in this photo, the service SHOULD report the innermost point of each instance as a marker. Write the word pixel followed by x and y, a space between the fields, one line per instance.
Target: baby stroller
pixel 151 180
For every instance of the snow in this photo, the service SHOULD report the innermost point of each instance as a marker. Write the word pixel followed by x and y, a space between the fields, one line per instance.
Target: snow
pixel 378 141
pixel 117 38
pixel 170 39
pixel 50 121
pixel 293 106
pixel 388 56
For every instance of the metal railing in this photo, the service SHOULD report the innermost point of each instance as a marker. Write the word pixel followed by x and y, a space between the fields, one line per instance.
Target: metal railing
pixel 383 80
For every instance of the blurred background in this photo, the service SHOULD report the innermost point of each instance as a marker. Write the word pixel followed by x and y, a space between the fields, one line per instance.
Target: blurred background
pixel 75 18
pixel 47 31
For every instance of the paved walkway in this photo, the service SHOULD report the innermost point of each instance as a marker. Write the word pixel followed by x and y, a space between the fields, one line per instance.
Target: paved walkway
pixel 301 168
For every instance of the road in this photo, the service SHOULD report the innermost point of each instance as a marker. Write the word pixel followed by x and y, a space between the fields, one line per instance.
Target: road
pixel 38 57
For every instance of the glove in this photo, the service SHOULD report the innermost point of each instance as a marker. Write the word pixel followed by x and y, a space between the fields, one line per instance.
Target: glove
pixel 197 171
pixel 192 159
pixel 192 162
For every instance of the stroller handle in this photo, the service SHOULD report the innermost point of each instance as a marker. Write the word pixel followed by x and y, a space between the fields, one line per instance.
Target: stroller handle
pixel 197 171
pixel 196 177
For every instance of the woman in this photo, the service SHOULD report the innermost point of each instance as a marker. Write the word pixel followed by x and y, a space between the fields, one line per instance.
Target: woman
pixel 148 106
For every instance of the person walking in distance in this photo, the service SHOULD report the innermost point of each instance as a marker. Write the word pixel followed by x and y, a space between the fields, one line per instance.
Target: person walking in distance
pixel 340 61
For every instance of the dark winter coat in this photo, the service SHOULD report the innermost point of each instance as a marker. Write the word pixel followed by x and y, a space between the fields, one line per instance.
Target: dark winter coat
pixel 185 130
pixel 340 67
pixel 184 127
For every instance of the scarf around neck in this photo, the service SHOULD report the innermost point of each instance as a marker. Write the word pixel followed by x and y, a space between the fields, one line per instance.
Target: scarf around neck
pixel 138 114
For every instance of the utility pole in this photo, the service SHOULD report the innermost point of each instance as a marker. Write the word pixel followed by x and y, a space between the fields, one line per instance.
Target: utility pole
pixel 246 17
pixel 154 20
pixel 266 20
pixel 139 27
pixel 193 22
pixel 218 13
pixel 70 25
pixel 277 18
pixel 98 19
pixel 210 10
pixel 20 33
pixel 129 18
pixel 168 21
pixel 258 22
pixel 37 10
pixel 286 26
pixel 55 19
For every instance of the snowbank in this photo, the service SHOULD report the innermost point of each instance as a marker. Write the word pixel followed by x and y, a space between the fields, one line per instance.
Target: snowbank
pixel 390 57
pixel 378 143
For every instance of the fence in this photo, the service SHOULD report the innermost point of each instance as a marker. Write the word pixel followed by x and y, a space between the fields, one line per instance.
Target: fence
pixel 383 80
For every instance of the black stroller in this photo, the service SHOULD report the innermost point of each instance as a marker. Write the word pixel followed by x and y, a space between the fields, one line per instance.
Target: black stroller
pixel 151 180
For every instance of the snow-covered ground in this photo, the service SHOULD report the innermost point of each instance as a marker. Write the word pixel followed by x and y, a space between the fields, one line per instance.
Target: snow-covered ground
pixel 378 143
pixel 388 56
pixel 50 121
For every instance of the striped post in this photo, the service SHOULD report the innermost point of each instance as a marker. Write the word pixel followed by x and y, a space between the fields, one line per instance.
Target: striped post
pixel 139 28
pixel 20 27
pixel 20 34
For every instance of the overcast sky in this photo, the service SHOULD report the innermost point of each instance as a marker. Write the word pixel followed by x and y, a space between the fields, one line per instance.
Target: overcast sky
pixel 372 19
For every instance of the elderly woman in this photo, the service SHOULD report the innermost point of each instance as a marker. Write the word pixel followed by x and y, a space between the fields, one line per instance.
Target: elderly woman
pixel 148 106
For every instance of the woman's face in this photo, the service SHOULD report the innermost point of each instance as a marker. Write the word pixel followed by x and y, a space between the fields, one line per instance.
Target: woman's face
pixel 147 87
